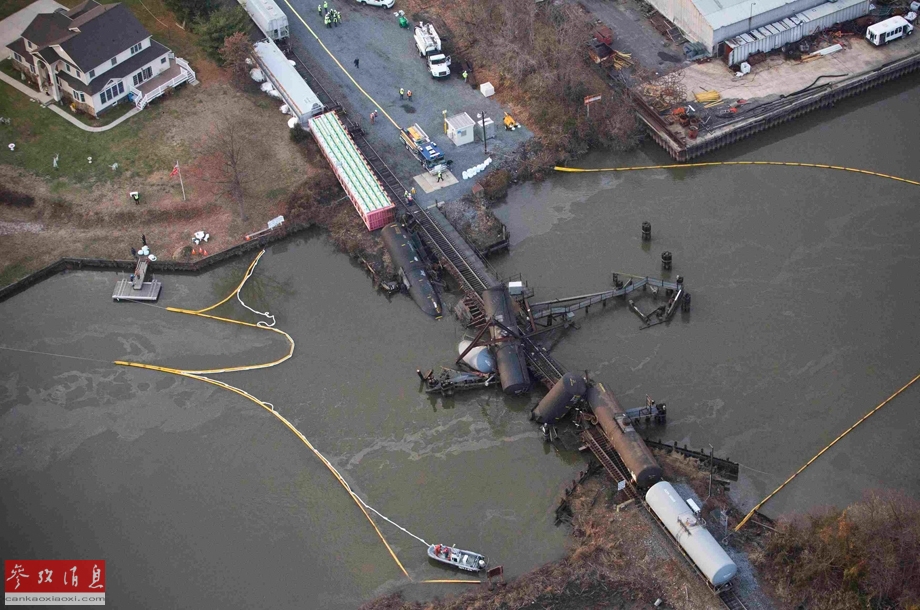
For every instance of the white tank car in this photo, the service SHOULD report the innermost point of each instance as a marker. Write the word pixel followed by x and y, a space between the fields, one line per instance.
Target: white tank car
pixel 479 358
pixel 697 542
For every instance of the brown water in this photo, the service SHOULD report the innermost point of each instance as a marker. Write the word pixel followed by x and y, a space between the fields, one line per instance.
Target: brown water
pixel 804 290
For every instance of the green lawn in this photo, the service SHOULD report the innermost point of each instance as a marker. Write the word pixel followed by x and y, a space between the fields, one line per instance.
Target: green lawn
pixel 39 134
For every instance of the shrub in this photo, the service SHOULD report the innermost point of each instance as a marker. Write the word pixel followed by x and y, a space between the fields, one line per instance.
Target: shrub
pixel 219 26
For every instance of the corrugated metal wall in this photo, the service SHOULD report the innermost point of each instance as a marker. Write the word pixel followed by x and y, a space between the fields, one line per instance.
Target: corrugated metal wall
pixel 760 20
pixel 685 15
pixel 774 37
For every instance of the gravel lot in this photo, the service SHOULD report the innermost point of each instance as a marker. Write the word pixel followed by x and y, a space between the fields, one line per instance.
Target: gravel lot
pixel 388 61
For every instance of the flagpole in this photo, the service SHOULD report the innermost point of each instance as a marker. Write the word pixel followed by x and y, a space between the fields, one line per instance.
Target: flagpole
pixel 182 184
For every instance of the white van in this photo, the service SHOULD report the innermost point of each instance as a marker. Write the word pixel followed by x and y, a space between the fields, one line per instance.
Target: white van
pixel 884 32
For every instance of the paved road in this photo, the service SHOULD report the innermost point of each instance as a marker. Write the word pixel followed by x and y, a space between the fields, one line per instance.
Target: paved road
pixel 633 33
pixel 388 61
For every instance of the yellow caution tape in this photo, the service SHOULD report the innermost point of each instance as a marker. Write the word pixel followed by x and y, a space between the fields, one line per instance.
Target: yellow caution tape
pixel 718 163
pixel 199 375
pixel 820 453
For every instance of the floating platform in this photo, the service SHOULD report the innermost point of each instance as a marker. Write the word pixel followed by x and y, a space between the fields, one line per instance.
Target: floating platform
pixel 125 290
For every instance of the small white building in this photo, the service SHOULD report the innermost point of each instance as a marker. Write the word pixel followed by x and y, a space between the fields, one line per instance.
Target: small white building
pixel 460 129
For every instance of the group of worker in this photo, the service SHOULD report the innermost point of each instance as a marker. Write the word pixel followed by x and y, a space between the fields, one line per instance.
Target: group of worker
pixel 442 550
pixel 403 94
pixel 331 17
pixel 410 197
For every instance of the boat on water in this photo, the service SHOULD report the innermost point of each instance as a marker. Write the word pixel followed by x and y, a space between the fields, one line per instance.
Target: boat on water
pixel 465 560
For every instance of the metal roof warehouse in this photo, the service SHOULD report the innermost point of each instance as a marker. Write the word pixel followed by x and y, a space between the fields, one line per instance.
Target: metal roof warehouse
pixel 714 21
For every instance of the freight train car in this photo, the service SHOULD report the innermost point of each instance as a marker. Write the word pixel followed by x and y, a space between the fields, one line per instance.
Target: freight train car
pixel 509 354
pixel 710 558
pixel 411 268
pixel 567 393
pixel 642 465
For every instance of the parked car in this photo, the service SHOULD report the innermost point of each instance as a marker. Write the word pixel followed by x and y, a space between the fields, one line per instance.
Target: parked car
pixel 383 3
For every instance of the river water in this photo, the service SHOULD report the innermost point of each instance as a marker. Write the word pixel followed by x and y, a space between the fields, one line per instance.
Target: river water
pixel 803 284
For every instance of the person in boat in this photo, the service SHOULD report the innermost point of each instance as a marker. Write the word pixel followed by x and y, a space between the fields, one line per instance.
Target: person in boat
pixel 437 549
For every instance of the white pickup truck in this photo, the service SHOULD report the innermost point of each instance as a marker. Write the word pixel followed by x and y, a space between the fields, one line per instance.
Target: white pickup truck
pixel 428 44
pixel 383 3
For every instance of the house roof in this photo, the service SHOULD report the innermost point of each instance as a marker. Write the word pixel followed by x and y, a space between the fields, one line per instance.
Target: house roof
pixel 81 8
pixel 47 28
pixel 90 33
pixel 105 31
pixel 723 13
pixel 120 71
pixel 19 46
pixel 49 55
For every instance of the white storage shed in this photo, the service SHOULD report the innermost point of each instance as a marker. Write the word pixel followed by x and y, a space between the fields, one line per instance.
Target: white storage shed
pixel 460 129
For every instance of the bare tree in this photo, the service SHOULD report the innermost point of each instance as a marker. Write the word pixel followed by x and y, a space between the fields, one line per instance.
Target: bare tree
pixel 228 143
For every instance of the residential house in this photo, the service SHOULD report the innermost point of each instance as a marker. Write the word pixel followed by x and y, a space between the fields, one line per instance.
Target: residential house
pixel 95 56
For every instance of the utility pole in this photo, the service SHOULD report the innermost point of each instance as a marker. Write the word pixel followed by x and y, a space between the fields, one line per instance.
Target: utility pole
pixel 710 473
pixel 485 147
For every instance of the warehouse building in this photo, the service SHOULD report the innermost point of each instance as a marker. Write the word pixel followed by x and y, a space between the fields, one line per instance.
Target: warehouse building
pixel 755 25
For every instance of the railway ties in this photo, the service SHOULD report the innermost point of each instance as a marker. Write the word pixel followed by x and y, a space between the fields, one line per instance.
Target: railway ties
pixel 731 600
pixel 609 459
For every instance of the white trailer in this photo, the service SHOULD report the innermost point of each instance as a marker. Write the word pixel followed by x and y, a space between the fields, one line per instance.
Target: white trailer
pixel 270 19
pixel 884 32
pixel 427 40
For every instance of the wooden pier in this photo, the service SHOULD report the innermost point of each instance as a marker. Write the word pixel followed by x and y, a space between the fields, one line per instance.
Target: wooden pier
pixel 135 288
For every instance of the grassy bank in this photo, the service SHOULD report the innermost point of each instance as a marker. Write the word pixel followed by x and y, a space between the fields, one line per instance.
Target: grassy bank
pixel 864 556
pixel 83 209
pixel 40 134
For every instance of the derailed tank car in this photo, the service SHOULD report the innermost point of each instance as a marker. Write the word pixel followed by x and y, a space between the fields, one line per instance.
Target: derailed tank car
pixel 509 354
pixel 411 268
pixel 567 393
pixel 691 535
pixel 642 465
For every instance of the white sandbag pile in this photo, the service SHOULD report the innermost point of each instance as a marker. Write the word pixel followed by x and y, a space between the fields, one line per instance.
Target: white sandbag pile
pixel 469 173
pixel 256 75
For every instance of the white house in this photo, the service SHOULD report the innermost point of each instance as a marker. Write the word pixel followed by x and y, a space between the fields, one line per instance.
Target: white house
pixel 95 56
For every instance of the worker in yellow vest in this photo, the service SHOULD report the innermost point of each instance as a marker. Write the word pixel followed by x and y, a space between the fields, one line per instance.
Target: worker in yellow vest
pixel 402 92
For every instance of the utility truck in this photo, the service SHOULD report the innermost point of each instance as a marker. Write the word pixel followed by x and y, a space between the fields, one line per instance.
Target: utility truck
pixel 426 152
pixel 428 44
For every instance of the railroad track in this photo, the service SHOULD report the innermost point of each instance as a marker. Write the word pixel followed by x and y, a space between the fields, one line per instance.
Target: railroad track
pixel 731 600
pixel 609 459
pixel 545 366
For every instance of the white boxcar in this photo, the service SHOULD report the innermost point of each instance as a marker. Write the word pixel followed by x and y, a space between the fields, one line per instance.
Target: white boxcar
pixel 270 19
pixel 697 542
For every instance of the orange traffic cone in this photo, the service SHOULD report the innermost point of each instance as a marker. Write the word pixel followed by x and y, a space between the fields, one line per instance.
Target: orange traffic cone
pixel 204 252
pixel 194 251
